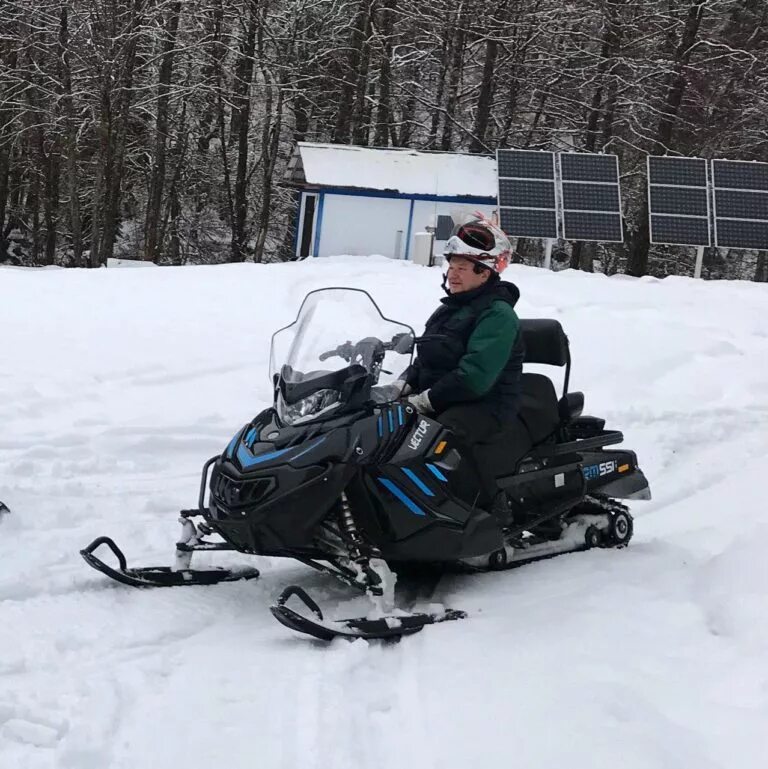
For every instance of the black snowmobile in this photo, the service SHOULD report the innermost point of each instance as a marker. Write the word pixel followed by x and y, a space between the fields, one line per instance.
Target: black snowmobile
pixel 344 477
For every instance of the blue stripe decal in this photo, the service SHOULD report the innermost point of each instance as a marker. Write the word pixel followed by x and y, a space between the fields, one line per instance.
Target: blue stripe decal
pixel 251 437
pixel 400 415
pixel 380 426
pixel 432 469
pixel 230 449
pixel 309 448
pixel 391 421
pixel 418 482
pixel 247 460
pixel 402 496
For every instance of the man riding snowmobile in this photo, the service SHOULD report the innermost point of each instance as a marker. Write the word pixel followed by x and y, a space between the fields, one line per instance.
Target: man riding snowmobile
pixel 468 375
pixel 342 475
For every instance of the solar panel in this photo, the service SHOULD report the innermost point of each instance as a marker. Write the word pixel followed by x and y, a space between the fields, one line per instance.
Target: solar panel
pixel 741 204
pixel 738 204
pixel 580 225
pixel 527 200
pixel 678 200
pixel 686 172
pixel 583 167
pixel 732 233
pixel 740 174
pixel 591 197
pixel 525 164
pixel 685 230
pixel 528 222
pixel 525 193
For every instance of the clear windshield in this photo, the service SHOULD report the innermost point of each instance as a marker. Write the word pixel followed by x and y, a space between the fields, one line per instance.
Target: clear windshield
pixel 337 328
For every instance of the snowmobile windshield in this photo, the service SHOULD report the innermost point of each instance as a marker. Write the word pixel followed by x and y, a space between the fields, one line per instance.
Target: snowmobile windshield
pixel 339 342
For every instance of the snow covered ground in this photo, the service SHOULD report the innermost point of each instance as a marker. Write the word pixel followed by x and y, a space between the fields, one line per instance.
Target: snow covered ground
pixel 115 386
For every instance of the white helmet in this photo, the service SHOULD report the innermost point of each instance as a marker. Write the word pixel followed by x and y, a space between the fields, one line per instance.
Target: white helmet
pixel 482 242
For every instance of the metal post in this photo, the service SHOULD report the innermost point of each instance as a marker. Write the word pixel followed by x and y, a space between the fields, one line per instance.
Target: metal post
pixel 431 229
pixel 548 253
pixel 699 261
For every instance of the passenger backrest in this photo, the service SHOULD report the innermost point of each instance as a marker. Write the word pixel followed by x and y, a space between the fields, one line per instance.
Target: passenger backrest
pixel 545 342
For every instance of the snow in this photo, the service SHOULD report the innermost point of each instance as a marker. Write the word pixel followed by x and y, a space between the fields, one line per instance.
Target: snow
pixel 116 386
pixel 409 172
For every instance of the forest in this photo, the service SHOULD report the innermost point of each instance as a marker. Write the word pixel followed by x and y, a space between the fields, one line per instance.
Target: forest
pixel 160 130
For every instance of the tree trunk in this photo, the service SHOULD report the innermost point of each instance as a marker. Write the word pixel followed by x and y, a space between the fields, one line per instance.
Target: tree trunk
pixel 761 270
pixel 384 107
pixel 485 98
pixel 241 102
pixel 453 87
pixel 152 243
pixel 70 139
pixel 637 262
pixel 351 77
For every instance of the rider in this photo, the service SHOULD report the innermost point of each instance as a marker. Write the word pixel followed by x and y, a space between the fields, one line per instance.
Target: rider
pixel 469 379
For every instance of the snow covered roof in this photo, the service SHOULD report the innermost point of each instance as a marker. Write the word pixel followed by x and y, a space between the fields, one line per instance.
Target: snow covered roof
pixel 404 171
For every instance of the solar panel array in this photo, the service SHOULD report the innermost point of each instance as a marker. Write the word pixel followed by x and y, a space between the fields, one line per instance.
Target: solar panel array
pixel 678 201
pixel 591 197
pixel 741 204
pixel 527 200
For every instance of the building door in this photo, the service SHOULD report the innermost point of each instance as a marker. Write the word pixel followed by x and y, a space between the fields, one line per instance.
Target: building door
pixel 306 234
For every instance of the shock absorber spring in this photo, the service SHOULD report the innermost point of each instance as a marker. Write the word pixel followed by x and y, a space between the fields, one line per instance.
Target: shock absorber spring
pixel 359 552
pixel 349 530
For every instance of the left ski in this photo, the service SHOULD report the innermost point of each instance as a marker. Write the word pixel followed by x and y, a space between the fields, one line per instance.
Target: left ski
pixel 158 576
pixel 389 627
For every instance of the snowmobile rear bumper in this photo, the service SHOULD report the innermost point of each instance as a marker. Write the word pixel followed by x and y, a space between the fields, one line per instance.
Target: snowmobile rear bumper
pixel 634 485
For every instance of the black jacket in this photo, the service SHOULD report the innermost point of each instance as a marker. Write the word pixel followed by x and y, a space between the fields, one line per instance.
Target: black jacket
pixel 481 358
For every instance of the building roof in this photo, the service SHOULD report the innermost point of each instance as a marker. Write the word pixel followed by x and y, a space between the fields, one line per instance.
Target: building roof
pixel 403 171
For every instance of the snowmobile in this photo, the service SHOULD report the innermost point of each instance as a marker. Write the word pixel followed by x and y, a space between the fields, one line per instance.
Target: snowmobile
pixel 344 476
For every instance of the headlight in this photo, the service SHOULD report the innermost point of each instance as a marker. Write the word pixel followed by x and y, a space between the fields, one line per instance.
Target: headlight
pixel 307 408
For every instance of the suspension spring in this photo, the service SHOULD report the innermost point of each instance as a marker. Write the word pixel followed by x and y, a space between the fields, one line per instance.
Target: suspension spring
pixel 349 530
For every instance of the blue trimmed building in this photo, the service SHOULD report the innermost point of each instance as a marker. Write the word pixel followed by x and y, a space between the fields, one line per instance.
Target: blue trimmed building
pixel 365 200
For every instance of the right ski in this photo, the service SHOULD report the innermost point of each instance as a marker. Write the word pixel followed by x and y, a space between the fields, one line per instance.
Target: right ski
pixel 390 627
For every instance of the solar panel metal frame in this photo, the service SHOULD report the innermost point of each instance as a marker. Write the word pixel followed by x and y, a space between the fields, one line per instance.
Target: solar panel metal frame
pixel 733 218
pixel 554 210
pixel 652 213
pixel 562 180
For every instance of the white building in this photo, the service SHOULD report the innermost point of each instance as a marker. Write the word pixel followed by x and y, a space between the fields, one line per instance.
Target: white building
pixel 363 200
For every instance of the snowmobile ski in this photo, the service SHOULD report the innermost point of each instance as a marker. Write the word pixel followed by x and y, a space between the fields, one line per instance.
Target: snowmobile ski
pixel 389 627
pixel 158 576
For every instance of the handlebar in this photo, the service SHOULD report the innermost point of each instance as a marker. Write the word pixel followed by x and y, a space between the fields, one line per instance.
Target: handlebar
pixel 402 343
